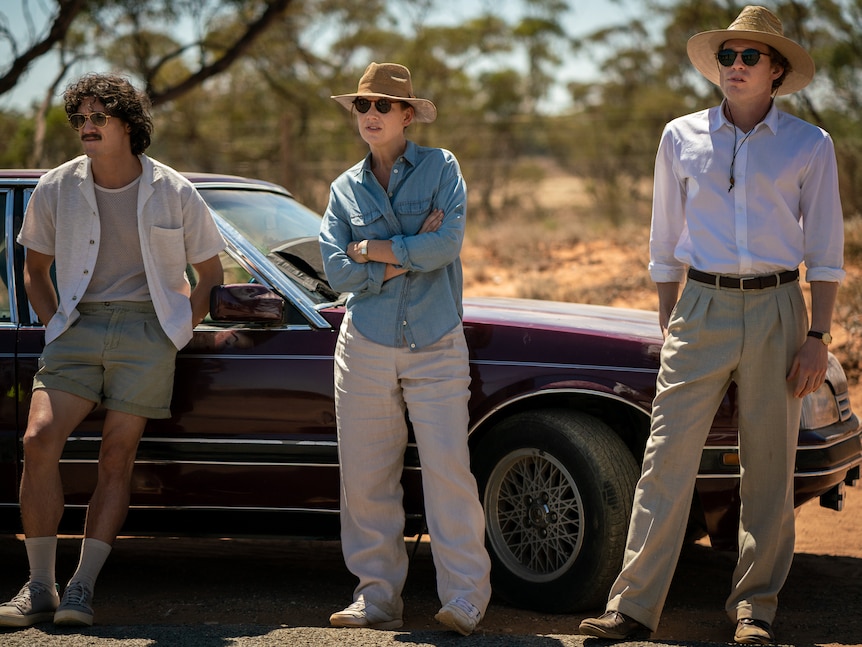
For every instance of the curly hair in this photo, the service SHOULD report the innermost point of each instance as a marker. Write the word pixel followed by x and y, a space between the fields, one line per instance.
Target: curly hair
pixel 120 99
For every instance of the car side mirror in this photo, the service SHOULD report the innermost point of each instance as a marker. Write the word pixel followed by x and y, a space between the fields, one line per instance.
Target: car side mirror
pixel 248 302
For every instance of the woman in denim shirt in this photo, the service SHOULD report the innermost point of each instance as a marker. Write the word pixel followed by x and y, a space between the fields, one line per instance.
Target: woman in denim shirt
pixel 391 236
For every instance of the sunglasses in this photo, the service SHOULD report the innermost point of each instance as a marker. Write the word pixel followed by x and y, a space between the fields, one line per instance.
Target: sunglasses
pixel 383 106
pixel 98 119
pixel 750 57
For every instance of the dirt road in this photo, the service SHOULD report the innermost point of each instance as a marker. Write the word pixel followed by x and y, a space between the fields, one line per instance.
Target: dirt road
pixel 287 589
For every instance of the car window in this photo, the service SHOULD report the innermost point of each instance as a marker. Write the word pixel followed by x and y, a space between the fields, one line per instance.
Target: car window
pixel 279 227
pixel 267 219
pixel 233 271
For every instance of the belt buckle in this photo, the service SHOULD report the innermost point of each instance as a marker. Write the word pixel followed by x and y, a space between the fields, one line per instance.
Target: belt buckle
pixel 742 287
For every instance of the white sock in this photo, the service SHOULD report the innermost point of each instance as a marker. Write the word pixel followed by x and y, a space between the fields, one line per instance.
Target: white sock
pixel 93 556
pixel 42 555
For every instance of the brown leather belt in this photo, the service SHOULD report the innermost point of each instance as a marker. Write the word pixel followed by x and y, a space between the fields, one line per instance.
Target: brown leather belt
pixel 753 283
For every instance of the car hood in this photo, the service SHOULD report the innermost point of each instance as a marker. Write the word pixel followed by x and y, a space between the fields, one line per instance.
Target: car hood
pixel 556 315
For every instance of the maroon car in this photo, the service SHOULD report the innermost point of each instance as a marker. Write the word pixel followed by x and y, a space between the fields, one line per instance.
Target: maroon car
pixel 561 395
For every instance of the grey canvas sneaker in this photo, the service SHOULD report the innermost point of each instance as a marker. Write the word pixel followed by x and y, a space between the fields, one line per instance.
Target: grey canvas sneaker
pixel 75 608
pixel 34 603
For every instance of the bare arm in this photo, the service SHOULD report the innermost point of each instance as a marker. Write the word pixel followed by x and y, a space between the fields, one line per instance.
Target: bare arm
pixel 210 274
pixel 808 370
pixel 40 288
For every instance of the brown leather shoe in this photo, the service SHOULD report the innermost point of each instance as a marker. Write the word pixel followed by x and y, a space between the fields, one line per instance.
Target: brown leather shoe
pixel 750 631
pixel 613 625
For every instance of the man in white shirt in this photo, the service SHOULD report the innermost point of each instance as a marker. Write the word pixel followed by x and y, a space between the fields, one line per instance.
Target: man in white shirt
pixel 744 194
pixel 120 229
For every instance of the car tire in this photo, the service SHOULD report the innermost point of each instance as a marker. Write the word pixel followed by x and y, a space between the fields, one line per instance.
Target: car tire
pixel 557 489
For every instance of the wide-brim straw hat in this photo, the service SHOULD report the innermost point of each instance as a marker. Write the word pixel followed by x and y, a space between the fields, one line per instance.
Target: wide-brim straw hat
pixel 757 24
pixel 390 81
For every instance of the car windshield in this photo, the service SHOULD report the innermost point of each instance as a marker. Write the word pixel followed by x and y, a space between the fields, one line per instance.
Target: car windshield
pixel 266 218
pixel 280 227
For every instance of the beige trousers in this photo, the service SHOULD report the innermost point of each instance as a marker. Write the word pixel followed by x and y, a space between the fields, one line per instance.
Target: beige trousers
pixel 374 386
pixel 717 336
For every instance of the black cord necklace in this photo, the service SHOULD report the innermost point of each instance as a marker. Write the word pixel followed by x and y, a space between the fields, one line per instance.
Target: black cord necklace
pixel 735 147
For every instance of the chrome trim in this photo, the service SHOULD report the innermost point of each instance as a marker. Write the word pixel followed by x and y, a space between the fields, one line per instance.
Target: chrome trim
pixel 204 508
pixel 582 367
pixel 525 396
pixel 303 358
pixel 802 475
pixel 244 186
pixel 95 461
pixel 841 468
pixel 807 448
pixel 218 441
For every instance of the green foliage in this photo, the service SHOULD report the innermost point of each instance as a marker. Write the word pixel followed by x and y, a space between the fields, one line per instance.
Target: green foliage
pixel 491 76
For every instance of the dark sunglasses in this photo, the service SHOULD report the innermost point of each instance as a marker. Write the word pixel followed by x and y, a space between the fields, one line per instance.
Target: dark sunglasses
pixel 98 119
pixel 363 105
pixel 750 56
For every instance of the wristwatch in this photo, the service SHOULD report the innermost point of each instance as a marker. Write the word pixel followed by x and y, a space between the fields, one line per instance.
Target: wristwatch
pixel 363 248
pixel 825 337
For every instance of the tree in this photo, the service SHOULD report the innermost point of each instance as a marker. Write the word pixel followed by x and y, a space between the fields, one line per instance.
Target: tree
pixel 135 28
pixel 67 11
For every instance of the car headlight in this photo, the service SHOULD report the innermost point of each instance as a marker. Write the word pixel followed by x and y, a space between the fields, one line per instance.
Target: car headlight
pixel 820 409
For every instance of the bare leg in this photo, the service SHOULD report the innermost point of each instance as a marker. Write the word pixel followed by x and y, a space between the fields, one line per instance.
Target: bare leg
pixel 53 416
pixel 110 502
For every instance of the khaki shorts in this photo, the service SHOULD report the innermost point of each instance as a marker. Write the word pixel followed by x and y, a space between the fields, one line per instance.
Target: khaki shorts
pixel 116 354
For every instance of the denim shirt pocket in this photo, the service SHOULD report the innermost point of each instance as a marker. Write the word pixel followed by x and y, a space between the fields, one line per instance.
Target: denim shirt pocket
pixel 412 213
pixel 369 224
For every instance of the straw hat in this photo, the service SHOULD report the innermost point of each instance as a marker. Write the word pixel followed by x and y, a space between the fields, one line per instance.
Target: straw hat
pixel 757 24
pixel 389 81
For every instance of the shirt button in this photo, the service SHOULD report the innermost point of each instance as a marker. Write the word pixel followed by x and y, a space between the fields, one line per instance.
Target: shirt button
pixel 92 242
pixel 395 170
pixel 86 271
pixel 412 345
pixel 403 323
pixel 74 298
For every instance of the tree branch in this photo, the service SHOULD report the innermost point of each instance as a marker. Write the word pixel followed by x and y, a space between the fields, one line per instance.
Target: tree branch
pixel 273 11
pixel 69 9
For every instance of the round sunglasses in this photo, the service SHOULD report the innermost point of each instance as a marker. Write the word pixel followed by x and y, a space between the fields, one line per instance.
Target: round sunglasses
pixel 383 106
pixel 98 119
pixel 750 56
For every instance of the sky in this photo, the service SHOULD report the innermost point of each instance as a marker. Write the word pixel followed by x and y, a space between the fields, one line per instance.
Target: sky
pixel 586 16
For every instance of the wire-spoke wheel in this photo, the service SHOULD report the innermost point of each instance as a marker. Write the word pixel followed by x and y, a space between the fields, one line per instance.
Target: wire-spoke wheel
pixel 557 488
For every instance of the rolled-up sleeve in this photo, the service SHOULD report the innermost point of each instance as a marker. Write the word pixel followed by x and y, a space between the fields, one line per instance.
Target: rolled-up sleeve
pixel 431 251
pixel 343 273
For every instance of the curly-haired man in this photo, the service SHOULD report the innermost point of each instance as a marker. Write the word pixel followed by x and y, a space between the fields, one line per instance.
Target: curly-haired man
pixel 119 229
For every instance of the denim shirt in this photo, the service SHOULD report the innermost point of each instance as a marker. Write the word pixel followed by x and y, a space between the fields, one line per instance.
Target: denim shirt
pixel 417 308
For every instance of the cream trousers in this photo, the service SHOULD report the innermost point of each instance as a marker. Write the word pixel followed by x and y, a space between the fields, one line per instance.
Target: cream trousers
pixel 717 336
pixel 374 386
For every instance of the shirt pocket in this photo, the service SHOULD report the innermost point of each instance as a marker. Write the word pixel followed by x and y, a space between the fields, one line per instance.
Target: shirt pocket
pixel 412 213
pixel 369 224
pixel 169 254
